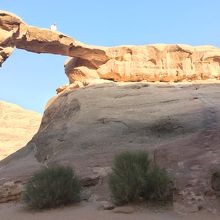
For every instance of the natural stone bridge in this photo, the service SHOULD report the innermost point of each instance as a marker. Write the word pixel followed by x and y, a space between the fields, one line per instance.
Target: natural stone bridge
pixel 123 63
pixel 15 33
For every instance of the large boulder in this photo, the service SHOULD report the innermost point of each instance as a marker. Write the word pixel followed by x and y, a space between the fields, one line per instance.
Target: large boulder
pixel 84 128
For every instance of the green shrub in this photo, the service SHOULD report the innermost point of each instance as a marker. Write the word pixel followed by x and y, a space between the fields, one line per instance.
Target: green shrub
pixel 128 177
pixel 134 178
pixel 158 185
pixel 52 187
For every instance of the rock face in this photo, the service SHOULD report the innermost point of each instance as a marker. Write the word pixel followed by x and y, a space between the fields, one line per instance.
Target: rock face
pixel 166 63
pixel 5 52
pixel 85 127
pixel 17 127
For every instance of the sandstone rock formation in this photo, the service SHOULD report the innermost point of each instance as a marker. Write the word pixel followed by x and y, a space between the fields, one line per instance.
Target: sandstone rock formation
pixel 166 63
pixel 5 52
pixel 17 127
pixel 123 63
pixel 84 128
pixel 10 191
pixel 15 33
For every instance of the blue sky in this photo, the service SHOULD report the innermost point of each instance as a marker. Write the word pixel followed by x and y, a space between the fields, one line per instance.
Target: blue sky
pixel 29 79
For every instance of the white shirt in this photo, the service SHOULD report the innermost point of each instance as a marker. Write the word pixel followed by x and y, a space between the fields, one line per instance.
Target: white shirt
pixel 53 27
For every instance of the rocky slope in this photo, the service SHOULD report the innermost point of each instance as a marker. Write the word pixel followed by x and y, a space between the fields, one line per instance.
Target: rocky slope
pixel 17 127
pixel 85 128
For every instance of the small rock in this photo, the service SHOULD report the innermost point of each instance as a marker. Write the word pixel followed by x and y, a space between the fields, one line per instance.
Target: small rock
pixel 102 171
pixel 91 180
pixel 212 210
pixel 183 209
pixel 10 191
pixel 210 193
pixel 105 205
pixel 124 209
pixel 9 184
pixel 85 195
pixel 93 198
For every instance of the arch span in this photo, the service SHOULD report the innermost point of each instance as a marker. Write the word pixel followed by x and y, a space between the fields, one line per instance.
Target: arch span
pixel 15 33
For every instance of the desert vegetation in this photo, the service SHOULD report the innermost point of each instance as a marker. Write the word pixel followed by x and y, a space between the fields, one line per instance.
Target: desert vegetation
pixel 135 178
pixel 52 187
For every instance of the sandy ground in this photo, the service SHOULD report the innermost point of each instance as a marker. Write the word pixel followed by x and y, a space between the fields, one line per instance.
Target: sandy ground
pixel 88 211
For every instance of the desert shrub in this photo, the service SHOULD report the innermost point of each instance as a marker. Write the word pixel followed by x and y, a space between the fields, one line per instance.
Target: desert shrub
pixel 134 178
pixel 52 187
pixel 128 177
pixel 157 185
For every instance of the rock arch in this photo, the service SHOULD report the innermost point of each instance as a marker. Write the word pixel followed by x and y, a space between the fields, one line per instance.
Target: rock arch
pixel 14 33
pixel 158 62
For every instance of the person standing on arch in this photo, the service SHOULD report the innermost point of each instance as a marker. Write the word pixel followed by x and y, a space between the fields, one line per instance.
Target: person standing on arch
pixel 53 27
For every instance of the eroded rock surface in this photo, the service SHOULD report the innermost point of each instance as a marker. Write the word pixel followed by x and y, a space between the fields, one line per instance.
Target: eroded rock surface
pixel 84 128
pixel 166 63
pixel 5 52
pixel 10 191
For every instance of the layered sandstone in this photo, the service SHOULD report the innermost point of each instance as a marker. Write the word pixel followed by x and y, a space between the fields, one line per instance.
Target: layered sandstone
pixel 165 63
pixel 10 191
pixel 17 127
pixel 123 63
pixel 5 52
pixel 16 33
